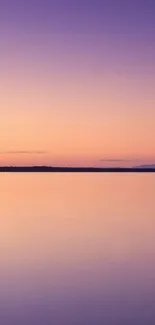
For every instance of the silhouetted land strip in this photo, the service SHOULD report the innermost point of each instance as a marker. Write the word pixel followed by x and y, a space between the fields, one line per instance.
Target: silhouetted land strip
pixel 46 169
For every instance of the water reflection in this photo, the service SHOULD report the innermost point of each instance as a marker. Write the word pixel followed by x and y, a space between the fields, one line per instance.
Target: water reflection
pixel 77 249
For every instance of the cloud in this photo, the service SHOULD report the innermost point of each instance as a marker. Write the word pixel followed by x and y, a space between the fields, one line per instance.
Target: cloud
pixel 115 160
pixel 22 152
pixel 118 160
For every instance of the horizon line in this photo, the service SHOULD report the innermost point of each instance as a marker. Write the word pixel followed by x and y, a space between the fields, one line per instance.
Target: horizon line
pixel 76 169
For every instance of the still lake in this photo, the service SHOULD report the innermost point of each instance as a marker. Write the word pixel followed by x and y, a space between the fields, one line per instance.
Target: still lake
pixel 77 249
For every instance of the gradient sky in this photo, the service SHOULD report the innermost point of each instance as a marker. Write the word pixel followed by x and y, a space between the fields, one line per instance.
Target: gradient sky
pixel 77 82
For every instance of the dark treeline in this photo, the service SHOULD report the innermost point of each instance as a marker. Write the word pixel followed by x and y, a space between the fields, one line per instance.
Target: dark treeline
pixel 74 169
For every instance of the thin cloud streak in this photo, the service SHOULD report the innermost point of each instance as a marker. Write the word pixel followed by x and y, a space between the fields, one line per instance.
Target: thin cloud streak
pixel 118 160
pixel 39 152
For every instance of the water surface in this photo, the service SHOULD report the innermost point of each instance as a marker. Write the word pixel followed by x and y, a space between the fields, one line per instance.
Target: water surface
pixel 77 249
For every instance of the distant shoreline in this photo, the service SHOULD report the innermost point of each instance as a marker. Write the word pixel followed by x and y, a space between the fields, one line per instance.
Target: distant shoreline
pixel 45 169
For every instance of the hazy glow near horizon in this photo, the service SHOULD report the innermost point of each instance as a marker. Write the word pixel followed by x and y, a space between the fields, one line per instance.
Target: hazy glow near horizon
pixel 77 82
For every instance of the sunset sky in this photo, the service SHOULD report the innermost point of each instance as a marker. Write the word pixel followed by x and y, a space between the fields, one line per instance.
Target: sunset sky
pixel 77 82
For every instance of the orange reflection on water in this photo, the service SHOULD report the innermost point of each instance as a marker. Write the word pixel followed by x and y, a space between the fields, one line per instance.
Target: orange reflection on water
pixel 69 237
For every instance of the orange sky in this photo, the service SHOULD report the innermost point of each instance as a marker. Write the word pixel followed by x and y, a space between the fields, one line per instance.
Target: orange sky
pixel 79 124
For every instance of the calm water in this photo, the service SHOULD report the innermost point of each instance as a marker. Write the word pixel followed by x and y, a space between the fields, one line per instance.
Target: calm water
pixel 77 249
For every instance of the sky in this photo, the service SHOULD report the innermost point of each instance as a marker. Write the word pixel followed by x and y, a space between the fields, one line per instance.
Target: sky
pixel 77 82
